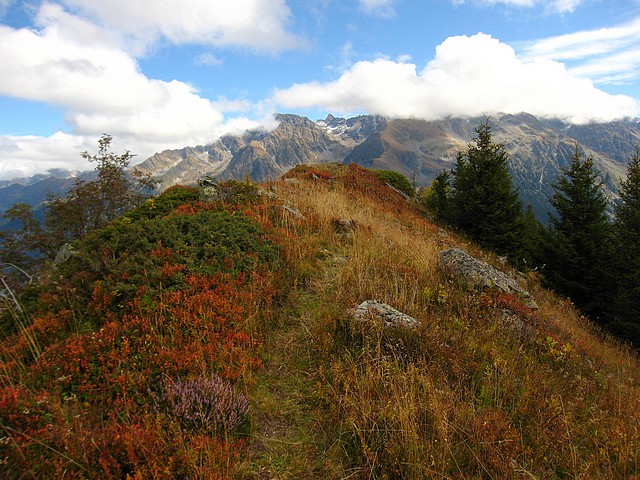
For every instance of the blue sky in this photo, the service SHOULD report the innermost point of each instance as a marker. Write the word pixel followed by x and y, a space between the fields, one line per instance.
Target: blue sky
pixel 158 74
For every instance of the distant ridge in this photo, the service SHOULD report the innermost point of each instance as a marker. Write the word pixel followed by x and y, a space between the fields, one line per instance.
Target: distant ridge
pixel 419 149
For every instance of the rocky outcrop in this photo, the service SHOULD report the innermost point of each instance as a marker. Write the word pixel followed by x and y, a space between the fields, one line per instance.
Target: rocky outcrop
pixel 64 254
pixel 374 309
pixel 479 274
pixel 538 149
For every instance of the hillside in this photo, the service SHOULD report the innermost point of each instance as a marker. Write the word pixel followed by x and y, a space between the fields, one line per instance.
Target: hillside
pixel 218 340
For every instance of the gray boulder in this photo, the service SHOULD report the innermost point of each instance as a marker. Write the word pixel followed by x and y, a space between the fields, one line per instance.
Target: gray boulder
pixel 64 254
pixel 390 316
pixel 209 189
pixel 479 274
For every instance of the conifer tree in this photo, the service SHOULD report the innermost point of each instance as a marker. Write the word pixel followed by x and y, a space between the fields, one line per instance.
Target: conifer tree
pixel 627 255
pixel 578 252
pixel 485 204
pixel 438 197
pixel 532 240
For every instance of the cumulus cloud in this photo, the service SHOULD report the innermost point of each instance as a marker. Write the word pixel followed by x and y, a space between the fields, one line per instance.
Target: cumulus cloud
pixel 71 63
pixel 469 76
pixel 257 24
pixel 383 8
pixel 29 154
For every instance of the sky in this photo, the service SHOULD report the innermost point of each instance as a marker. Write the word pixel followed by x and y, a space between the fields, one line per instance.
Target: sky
pixel 161 74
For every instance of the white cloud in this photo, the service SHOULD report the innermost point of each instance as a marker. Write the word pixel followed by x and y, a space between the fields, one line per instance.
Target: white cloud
pixel 26 155
pixel 383 8
pixel 605 55
pixel 469 76
pixel 557 6
pixel 71 63
pixel 257 24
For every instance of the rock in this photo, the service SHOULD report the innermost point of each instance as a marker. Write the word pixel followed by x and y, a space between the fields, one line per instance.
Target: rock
pixel 64 254
pixel 293 211
pixel 343 225
pixel 209 189
pixel 389 315
pixel 480 274
pixel 261 192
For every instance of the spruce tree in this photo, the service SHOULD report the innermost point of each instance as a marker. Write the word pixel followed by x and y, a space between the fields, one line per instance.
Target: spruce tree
pixel 438 197
pixel 627 255
pixel 578 252
pixel 485 204
pixel 532 240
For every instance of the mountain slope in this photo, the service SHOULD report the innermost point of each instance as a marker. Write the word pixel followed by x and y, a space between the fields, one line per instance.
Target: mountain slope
pixel 161 327
pixel 419 149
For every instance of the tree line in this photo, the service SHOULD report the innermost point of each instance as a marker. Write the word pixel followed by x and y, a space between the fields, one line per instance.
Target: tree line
pixel 583 253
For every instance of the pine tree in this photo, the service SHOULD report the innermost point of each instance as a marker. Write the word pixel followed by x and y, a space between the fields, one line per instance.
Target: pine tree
pixel 485 204
pixel 627 255
pixel 578 252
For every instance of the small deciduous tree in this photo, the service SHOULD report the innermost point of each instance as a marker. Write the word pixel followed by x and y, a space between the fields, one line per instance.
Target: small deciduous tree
pixel 90 205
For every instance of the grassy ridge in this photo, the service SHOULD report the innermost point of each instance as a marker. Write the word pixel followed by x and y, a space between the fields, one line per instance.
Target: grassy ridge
pixel 485 388
pixel 258 295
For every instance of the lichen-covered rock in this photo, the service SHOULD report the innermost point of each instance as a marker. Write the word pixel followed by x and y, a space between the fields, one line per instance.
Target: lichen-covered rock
pixel 293 211
pixel 480 274
pixel 64 254
pixel 389 315
pixel 209 188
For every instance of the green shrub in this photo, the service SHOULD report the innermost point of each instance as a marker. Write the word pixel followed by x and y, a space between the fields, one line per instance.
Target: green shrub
pixel 397 181
pixel 164 203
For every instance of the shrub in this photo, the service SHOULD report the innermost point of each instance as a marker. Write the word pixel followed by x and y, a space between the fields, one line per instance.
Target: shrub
pixel 206 403
pixel 164 204
pixel 397 181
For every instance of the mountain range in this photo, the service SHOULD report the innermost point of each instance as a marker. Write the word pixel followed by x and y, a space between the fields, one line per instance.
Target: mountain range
pixel 538 148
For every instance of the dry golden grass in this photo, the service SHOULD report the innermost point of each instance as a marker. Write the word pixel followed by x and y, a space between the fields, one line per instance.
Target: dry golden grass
pixel 471 393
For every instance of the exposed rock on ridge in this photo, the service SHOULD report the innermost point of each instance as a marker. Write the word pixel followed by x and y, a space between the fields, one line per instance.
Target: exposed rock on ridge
pixel 419 149
pixel 389 315
pixel 480 274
